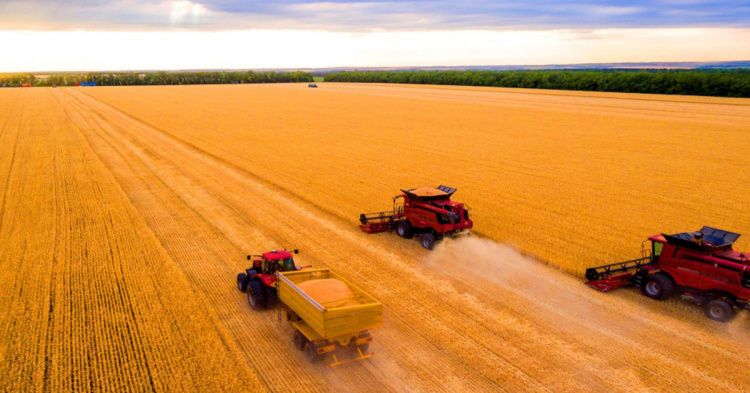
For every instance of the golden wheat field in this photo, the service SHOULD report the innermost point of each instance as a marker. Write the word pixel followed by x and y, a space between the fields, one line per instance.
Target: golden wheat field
pixel 126 213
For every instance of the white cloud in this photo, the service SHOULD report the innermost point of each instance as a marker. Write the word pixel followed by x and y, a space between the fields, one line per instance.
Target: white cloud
pixel 49 51
pixel 186 12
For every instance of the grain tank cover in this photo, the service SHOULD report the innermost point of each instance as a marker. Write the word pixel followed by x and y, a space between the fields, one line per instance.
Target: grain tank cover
pixel 429 193
pixel 717 237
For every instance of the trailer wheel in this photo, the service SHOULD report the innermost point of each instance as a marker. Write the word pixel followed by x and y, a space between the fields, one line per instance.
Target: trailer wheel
pixel 255 296
pixel 719 310
pixel 658 286
pixel 242 282
pixel 428 241
pixel 311 352
pixel 404 229
pixel 300 340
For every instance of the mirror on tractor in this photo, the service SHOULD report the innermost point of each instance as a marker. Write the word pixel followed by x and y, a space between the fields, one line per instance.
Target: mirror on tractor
pixel 296 251
pixel 249 257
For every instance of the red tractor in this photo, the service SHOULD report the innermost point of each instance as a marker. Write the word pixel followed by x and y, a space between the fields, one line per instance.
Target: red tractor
pixel 701 266
pixel 259 281
pixel 425 212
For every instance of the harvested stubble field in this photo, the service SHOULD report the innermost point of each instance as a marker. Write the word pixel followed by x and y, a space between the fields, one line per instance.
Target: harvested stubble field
pixel 126 213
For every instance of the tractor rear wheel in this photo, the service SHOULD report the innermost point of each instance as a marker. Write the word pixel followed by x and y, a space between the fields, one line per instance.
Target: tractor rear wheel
pixel 311 352
pixel 428 241
pixel 255 296
pixel 242 282
pixel 272 297
pixel 719 310
pixel 658 286
pixel 404 229
pixel 300 340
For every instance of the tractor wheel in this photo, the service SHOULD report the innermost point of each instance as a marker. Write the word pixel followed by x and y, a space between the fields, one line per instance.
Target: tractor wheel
pixel 311 352
pixel 363 348
pixel 272 297
pixel 658 286
pixel 255 296
pixel 719 310
pixel 428 241
pixel 300 340
pixel 404 229
pixel 242 282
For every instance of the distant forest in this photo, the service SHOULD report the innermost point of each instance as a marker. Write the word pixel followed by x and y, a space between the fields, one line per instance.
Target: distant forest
pixel 156 78
pixel 720 83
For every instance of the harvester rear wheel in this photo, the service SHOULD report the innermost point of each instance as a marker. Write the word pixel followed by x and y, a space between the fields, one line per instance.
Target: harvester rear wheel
pixel 242 282
pixel 404 229
pixel 255 296
pixel 428 241
pixel 719 310
pixel 658 286
pixel 311 352
pixel 300 340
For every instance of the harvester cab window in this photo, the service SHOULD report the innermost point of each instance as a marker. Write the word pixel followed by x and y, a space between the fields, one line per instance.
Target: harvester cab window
pixel 656 250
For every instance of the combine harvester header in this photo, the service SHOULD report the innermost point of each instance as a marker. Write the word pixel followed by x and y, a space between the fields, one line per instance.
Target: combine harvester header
pixel 702 266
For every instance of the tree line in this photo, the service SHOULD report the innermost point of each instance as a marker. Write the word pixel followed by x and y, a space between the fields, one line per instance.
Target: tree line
pixel 157 78
pixel 720 83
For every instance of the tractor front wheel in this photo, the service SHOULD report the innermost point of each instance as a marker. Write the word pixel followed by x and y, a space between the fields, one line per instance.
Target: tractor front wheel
pixel 311 352
pixel 404 229
pixel 719 310
pixel 242 282
pixel 428 241
pixel 658 286
pixel 255 296
pixel 300 340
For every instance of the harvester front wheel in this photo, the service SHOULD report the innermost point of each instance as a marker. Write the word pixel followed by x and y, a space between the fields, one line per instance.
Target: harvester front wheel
pixel 242 282
pixel 300 341
pixel 311 352
pixel 404 229
pixel 658 286
pixel 255 296
pixel 719 310
pixel 428 241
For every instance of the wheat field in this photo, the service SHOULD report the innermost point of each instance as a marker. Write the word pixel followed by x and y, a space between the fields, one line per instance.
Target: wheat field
pixel 126 212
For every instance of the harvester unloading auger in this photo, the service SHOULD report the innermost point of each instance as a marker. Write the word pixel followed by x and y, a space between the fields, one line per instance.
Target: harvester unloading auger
pixel 426 212
pixel 701 266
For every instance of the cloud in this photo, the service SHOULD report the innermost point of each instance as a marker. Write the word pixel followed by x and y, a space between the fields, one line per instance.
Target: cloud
pixel 368 16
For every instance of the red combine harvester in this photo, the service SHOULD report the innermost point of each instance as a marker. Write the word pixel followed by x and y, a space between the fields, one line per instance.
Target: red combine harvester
pixel 259 281
pixel 425 212
pixel 701 266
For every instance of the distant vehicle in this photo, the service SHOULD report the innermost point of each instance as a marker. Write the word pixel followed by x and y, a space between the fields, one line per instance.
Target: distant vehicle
pixel 87 84
pixel 54 85
pixel 312 85
pixel 4 85
pixel 25 84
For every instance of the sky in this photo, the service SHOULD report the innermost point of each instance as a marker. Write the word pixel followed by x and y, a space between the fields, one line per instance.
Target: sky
pixel 87 35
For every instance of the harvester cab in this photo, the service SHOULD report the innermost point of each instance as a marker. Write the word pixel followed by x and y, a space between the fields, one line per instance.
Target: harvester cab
pixel 702 266
pixel 259 281
pixel 426 212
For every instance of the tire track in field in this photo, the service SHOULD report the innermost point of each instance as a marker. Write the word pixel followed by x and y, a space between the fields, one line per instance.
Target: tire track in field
pixel 525 354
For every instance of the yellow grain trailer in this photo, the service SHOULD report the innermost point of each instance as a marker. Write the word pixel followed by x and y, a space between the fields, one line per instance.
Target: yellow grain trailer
pixel 320 327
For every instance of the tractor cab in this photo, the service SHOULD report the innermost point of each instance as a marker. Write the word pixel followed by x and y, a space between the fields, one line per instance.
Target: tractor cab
pixel 273 261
